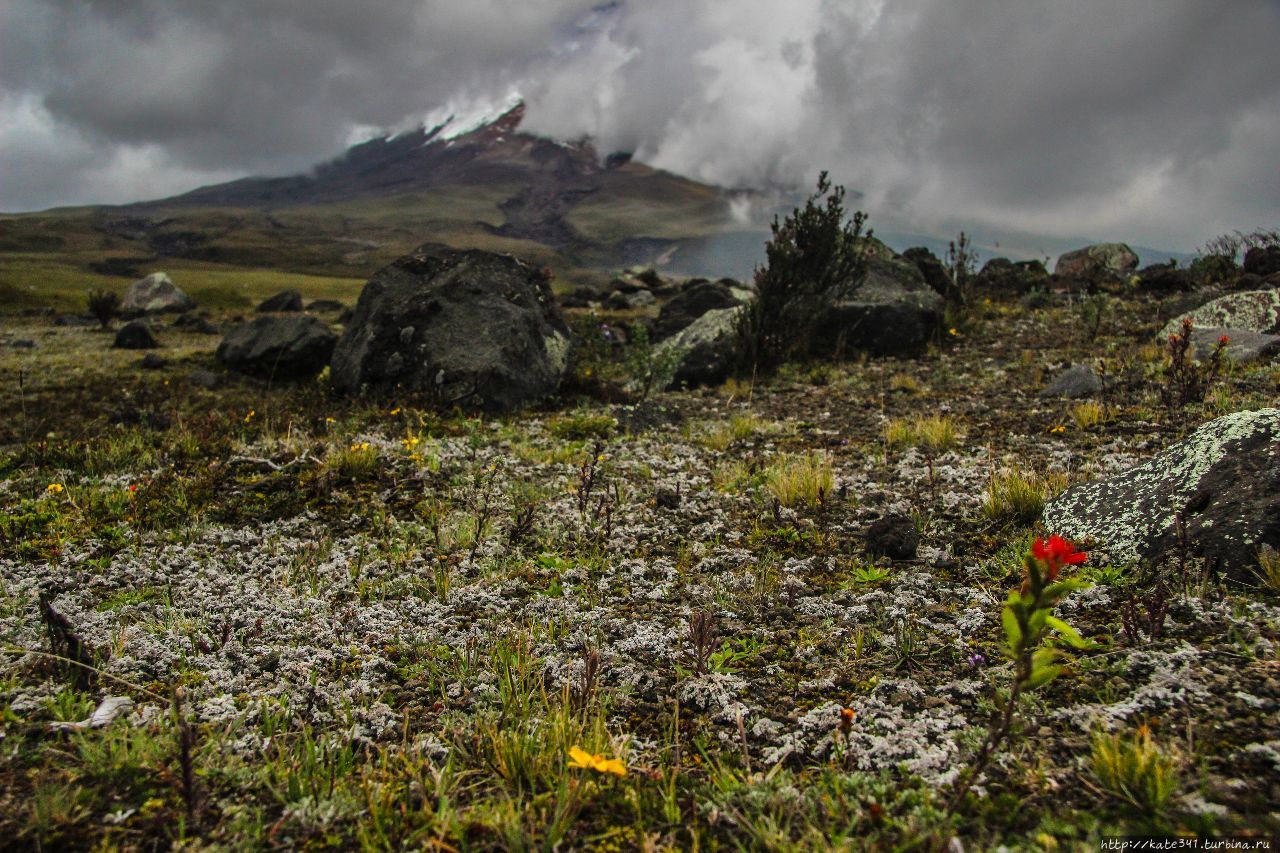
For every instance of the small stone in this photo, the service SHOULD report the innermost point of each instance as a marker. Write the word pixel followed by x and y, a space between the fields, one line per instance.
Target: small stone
pixel 151 361
pixel 135 335
pixel 1078 380
pixel 204 379
pixel 282 302
pixel 893 536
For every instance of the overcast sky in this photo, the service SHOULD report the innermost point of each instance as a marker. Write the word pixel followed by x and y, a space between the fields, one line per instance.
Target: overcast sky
pixel 1150 121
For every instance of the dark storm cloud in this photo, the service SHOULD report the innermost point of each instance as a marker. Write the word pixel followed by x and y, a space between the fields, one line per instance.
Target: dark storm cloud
pixel 259 84
pixel 1148 120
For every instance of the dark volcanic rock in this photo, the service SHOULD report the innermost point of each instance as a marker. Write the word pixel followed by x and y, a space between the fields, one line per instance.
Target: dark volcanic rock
pixel 195 323
pixel 935 274
pixel 893 536
pixel 151 361
pixel 690 304
pixel 1166 278
pixel 471 328
pixel 1003 277
pixel 325 305
pixel 1223 479
pixel 278 347
pixel 154 294
pixel 892 312
pixel 283 302
pixel 135 335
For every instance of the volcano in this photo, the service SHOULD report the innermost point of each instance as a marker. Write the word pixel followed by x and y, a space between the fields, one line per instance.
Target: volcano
pixel 489 180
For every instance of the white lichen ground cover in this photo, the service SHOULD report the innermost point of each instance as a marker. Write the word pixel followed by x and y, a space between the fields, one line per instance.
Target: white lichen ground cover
pixel 388 630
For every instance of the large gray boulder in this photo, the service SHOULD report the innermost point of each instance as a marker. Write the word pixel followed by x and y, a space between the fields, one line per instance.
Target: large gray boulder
pixel 154 294
pixel 278 347
pixel 1243 346
pixel 892 311
pixel 468 328
pixel 702 352
pixel 681 310
pixel 1224 481
pixel 1098 264
pixel 1250 310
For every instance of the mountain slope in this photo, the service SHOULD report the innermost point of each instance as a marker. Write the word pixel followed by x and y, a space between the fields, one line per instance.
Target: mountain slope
pixel 490 186
pixel 555 194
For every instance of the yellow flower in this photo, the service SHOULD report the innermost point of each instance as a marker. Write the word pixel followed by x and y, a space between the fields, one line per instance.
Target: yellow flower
pixel 1058 428
pixel 54 488
pixel 410 442
pixel 395 411
pixel 953 331
pixel 330 421
pixel 579 757
pixel 249 416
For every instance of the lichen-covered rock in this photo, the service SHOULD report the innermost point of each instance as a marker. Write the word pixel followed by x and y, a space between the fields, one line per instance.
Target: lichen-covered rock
pixel 703 351
pixel 278 347
pixel 470 328
pixel 154 294
pixel 690 304
pixel 1097 264
pixel 1252 310
pixel 621 300
pixel 1223 480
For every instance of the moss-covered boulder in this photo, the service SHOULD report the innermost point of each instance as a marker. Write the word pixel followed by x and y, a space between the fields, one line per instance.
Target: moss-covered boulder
pixel 1102 263
pixel 1250 310
pixel 1223 481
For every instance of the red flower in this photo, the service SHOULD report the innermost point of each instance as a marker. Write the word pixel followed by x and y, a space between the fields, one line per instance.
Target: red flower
pixel 1055 554
pixel 1224 340
pixel 846 719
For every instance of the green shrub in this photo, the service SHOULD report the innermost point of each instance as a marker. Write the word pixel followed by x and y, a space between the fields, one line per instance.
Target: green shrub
pixel 102 305
pixel 814 259
pixel 1214 269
